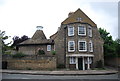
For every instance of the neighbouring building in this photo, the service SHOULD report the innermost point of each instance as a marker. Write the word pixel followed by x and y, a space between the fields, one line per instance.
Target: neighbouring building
pixel 38 41
pixel 77 43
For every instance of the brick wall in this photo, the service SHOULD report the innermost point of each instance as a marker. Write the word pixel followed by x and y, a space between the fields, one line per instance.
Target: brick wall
pixel 41 63
pixel 32 49
pixel 113 61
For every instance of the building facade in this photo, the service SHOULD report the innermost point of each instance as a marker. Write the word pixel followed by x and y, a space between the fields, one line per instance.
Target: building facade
pixel 77 43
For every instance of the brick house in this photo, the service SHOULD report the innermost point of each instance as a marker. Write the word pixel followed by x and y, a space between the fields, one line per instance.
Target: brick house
pixel 77 42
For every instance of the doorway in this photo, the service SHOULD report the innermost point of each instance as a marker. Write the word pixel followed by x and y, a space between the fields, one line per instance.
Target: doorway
pixel 80 63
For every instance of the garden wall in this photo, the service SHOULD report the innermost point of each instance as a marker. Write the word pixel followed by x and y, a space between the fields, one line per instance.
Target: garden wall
pixel 39 63
pixel 112 61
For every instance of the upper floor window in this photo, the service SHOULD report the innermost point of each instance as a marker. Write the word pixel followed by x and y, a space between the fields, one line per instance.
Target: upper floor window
pixel 90 46
pixel 90 31
pixel 72 60
pixel 71 46
pixel 82 46
pixel 48 47
pixel 79 19
pixel 81 30
pixel 70 31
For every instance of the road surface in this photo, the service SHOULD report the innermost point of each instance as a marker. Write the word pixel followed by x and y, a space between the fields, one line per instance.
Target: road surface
pixel 53 77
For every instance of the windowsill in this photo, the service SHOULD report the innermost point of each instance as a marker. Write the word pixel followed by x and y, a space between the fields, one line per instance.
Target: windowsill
pixel 71 51
pixel 72 63
pixel 81 34
pixel 70 35
pixel 82 50
pixel 90 36
pixel 91 51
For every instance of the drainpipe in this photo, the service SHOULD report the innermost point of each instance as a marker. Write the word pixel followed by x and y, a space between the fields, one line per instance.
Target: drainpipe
pixel 65 45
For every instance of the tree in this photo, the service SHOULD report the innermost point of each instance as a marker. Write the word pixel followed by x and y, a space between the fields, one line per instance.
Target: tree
pixel 3 37
pixel 118 47
pixel 17 40
pixel 110 46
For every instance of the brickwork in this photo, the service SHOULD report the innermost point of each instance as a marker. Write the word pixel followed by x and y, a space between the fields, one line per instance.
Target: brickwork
pixel 61 39
pixel 32 49
pixel 42 63
pixel 112 61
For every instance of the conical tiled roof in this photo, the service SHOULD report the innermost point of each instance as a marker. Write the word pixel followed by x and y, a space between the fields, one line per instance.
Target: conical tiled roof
pixel 39 34
pixel 38 38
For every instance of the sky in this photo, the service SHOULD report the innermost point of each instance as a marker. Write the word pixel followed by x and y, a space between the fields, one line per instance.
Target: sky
pixel 20 17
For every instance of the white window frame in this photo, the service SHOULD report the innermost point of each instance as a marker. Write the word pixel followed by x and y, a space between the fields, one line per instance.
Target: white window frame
pixel 79 19
pixel 69 34
pixel 90 31
pixel 90 46
pixel 72 60
pixel 69 46
pixel 84 30
pixel 85 46
pixel 48 47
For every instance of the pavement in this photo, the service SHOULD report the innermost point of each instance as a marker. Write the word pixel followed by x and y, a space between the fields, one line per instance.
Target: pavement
pixel 61 72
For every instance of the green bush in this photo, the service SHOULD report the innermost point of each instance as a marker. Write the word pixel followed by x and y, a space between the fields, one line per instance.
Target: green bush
pixel 41 52
pixel 53 52
pixel 8 52
pixel 18 55
pixel 99 64
pixel 28 68
pixel 60 66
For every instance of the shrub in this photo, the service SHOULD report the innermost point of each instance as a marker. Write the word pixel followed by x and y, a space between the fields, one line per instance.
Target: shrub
pixel 99 64
pixel 60 66
pixel 53 52
pixel 28 68
pixel 41 52
pixel 8 52
pixel 18 55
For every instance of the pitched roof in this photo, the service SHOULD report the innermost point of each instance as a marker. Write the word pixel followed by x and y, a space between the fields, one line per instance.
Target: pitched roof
pixel 78 14
pixel 54 35
pixel 37 41
pixel 38 38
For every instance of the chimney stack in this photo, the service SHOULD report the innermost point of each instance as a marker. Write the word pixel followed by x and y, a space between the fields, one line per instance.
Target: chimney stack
pixel 70 14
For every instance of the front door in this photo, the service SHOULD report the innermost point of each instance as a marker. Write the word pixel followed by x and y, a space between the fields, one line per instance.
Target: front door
pixel 80 63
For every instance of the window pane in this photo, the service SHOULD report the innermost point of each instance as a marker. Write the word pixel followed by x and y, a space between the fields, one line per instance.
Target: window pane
pixel 82 45
pixel 48 47
pixel 72 60
pixel 90 32
pixel 81 30
pixel 71 46
pixel 70 31
pixel 90 47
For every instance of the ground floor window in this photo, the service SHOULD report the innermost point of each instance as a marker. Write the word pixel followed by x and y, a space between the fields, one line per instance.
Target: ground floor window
pixel 48 47
pixel 72 60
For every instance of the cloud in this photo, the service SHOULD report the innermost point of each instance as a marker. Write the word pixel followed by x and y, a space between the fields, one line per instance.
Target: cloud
pixel 20 17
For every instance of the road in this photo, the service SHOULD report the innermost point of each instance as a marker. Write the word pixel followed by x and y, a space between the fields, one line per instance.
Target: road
pixel 53 77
